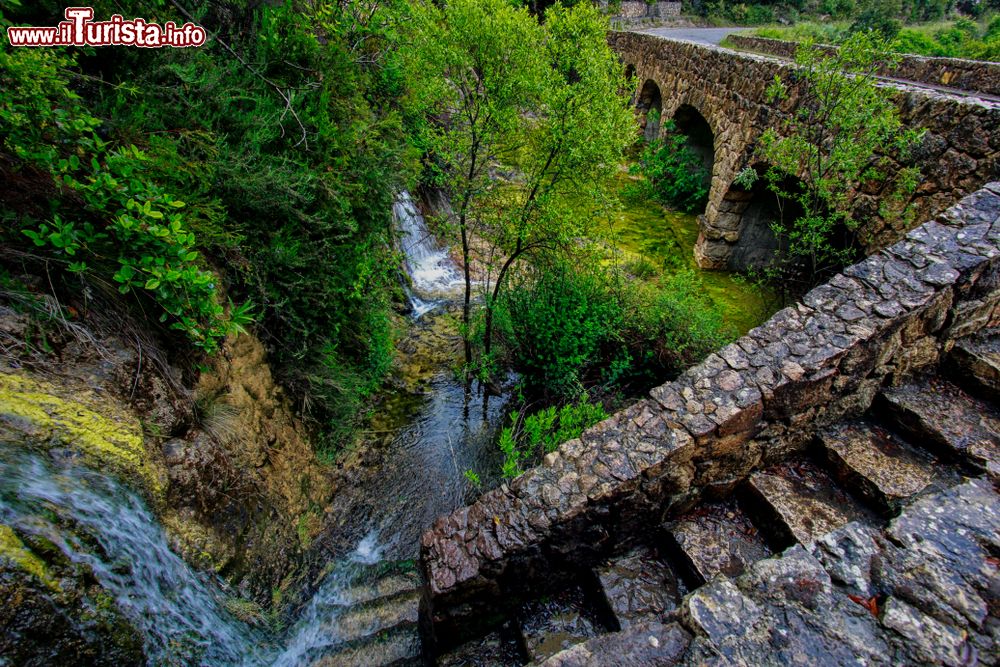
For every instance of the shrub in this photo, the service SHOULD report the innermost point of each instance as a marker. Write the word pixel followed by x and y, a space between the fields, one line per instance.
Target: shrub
pixel 674 173
pixel 534 435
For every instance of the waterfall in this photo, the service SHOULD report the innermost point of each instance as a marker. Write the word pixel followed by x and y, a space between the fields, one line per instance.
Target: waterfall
pixel 434 277
pixel 312 631
pixel 179 612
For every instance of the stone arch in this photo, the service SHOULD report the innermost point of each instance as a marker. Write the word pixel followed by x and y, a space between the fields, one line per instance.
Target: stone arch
pixel 649 100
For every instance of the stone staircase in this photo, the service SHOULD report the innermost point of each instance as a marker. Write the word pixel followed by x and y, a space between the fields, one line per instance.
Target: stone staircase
pixel 377 620
pixel 878 545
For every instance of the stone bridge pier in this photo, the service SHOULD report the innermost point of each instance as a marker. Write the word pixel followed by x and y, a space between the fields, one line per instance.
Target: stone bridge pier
pixel 727 90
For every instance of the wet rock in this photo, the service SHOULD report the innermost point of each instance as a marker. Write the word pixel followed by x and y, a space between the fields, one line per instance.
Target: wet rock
pixel 371 618
pixel 925 639
pixel 54 614
pixel 849 554
pixel 976 363
pixel 647 643
pixel 876 463
pixel 638 587
pixel 799 502
pixel 718 538
pixel 557 623
pixel 941 414
pixel 399 647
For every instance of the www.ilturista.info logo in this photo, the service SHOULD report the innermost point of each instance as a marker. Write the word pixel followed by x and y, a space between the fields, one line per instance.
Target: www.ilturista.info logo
pixel 80 30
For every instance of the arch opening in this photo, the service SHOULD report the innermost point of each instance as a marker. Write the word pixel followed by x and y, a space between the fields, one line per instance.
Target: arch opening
pixel 699 137
pixel 756 215
pixel 649 107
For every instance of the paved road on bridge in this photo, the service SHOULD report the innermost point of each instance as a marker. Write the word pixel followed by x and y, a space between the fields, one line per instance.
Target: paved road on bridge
pixel 714 37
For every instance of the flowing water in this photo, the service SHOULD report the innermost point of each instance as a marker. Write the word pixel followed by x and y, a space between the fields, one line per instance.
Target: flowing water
pixel 434 278
pixel 180 613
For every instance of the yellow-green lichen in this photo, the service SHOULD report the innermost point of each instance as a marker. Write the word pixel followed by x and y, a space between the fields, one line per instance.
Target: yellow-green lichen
pixel 107 435
pixel 13 550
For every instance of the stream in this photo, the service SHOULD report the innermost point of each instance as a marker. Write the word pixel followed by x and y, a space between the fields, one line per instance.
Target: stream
pixel 413 463
pixel 409 469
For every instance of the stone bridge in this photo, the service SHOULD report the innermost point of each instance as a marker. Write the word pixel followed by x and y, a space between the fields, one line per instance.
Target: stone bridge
pixel 718 97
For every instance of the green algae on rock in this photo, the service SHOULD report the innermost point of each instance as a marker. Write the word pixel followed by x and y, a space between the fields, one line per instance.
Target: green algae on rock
pixel 39 413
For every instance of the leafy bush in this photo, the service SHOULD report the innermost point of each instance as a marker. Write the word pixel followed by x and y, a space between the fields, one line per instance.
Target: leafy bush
pixel 275 159
pixel 674 173
pixel 568 329
pixel 110 221
pixel 558 325
pixel 542 432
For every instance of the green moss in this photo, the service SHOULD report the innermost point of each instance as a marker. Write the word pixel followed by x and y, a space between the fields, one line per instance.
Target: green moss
pixel 648 234
pixel 14 550
pixel 109 438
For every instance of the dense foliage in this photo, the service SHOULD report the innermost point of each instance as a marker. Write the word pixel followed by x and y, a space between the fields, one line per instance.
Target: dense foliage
pixel 568 329
pixel 844 132
pixel 264 162
pixel 672 171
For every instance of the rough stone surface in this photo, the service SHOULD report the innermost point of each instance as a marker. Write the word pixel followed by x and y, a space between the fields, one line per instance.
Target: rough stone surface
pixel 976 363
pixel 755 402
pixel 946 416
pixel 959 152
pixel 639 586
pixel 718 539
pixel 642 644
pixel 800 502
pixel 922 591
pixel 876 463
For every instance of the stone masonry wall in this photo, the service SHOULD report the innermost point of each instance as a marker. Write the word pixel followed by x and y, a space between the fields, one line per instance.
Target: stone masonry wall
pixel 974 76
pixel 751 403
pixel 638 9
pixel 960 151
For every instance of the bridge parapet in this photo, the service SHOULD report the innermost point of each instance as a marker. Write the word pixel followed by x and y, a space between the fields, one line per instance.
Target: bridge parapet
pixel 960 151
pixel 750 404
pixel 975 76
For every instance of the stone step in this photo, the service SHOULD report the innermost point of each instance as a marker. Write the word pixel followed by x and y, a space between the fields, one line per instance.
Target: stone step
pixel 797 501
pixel 389 584
pixel 939 415
pixel 556 623
pixel 647 643
pixel 371 618
pixel 975 363
pixel 717 538
pixel 639 586
pixel 399 647
pixel 496 649
pixel 877 464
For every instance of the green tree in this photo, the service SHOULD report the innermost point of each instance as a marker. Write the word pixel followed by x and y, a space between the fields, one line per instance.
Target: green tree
pixel 540 101
pixel 839 135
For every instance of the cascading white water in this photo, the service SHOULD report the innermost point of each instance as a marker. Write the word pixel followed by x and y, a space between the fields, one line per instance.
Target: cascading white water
pixel 433 275
pixel 179 612
pixel 312 632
